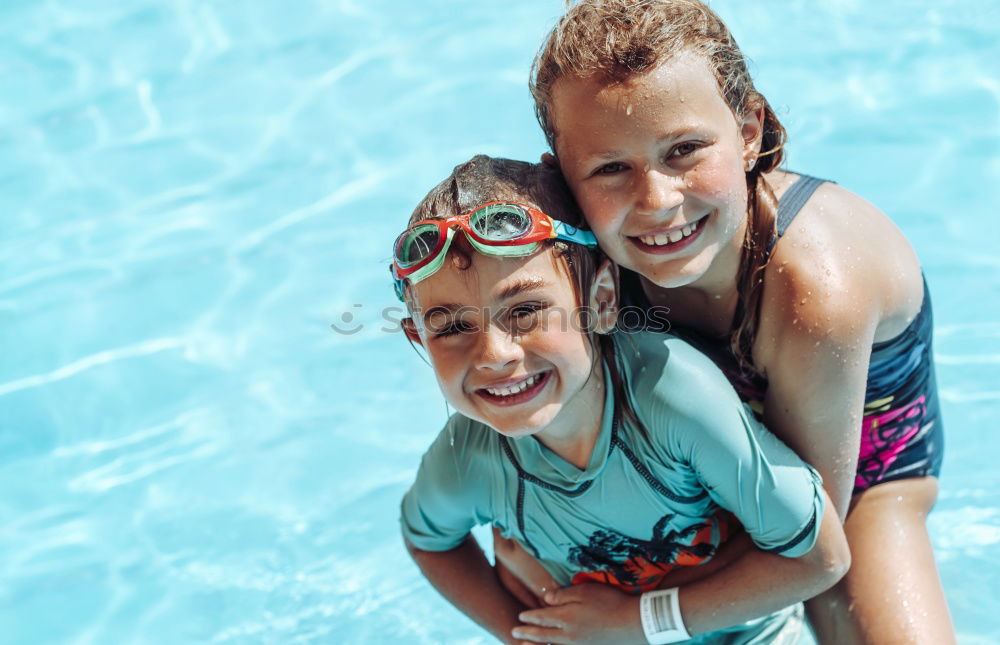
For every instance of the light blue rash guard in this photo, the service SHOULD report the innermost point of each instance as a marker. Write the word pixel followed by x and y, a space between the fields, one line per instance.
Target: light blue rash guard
pixel 642 506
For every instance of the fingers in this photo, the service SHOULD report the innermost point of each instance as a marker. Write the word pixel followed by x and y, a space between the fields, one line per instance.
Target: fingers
pixel 542 618
pixel 532 635
pixel 563 595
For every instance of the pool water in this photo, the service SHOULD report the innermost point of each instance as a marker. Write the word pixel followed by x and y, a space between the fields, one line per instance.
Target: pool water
pixel 193 192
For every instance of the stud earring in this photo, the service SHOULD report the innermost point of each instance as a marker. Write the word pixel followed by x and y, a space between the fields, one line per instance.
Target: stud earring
pixel 751 163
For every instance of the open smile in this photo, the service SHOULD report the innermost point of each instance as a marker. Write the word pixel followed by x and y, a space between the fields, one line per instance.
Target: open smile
pixel 515 392
pixel 670 240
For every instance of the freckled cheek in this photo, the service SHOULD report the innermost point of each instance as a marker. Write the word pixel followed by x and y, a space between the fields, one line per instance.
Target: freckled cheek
pixel 449 370
pixel 560 339
pixel 604 214
pixel 717 181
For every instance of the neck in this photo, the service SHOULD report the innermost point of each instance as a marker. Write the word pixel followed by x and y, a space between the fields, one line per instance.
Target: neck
pixel 719 282
pixel 710 301
pixel 573 434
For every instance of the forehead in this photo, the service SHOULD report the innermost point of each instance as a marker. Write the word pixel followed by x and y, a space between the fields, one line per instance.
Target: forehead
pixel 680 92
pixel 477 278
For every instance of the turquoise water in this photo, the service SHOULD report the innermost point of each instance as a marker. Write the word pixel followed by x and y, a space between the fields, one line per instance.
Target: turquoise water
pixel 193 192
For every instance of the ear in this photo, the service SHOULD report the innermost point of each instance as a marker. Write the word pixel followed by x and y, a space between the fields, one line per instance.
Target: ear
pixel 752 132
pixel 604 297
pixel 410 329
pixel 549 159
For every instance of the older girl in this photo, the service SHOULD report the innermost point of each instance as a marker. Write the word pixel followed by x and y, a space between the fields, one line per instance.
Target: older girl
pixel 810 299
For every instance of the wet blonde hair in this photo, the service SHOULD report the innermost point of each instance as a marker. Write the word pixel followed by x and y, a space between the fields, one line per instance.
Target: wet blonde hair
pixel 615 40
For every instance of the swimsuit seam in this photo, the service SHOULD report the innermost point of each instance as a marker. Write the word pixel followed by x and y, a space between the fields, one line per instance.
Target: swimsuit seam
pixel 654 483
pixel 805 532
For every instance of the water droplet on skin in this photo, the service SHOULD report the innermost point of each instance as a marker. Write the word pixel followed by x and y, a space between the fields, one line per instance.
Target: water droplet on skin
pixel 628 109
pixel 802 302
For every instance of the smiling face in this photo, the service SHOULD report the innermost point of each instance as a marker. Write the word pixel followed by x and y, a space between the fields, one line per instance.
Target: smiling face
pixel 657 164
pixel 505 344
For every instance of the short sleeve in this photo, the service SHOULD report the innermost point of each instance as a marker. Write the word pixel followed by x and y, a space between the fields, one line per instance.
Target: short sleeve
pixel 745 469
pixel 451 490
pixel 776 496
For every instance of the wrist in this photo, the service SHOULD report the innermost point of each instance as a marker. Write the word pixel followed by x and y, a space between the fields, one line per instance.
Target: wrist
pixel 660 615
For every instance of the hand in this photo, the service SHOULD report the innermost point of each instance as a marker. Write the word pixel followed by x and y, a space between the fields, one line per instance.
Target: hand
pixel 583 614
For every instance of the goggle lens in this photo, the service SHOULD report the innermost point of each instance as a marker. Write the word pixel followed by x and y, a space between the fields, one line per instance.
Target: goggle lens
pixel 500 222
pixel 416 244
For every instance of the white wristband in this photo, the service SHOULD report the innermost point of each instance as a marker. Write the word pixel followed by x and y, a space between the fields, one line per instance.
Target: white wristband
pixel 660 611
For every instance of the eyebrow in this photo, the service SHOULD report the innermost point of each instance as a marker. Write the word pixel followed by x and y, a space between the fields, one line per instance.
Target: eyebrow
pixel 519 287
pixel 682 131
pixel 449 309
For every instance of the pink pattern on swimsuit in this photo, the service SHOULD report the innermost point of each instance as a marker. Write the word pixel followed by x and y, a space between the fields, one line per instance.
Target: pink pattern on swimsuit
pixel 884 436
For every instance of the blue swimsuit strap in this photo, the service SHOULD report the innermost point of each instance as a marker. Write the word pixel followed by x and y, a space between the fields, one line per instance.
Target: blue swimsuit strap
pixel 792 202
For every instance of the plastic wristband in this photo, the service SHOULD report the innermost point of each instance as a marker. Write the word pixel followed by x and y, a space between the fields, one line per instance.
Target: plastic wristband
pixel 661 617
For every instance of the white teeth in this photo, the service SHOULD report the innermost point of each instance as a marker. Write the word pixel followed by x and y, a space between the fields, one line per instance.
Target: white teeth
pixel 514 389
pixel 659 239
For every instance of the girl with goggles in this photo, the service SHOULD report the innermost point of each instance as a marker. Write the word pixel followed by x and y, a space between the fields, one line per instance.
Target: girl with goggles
pixel 610 460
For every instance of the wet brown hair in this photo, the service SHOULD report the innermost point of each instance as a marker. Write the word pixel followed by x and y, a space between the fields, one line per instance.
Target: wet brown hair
pixel 485 179
pixel 616 40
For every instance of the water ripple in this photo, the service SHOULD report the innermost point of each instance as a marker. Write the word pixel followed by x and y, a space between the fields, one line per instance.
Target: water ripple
pixel 94 360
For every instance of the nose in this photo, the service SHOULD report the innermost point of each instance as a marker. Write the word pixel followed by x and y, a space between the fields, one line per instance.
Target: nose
pixel 658 191
pixel 497 349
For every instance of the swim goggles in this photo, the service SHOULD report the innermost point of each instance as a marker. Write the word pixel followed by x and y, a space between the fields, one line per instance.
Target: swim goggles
pixel 496 228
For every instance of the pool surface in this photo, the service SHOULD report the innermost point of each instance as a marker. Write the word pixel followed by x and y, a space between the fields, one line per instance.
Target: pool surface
pixel 206 418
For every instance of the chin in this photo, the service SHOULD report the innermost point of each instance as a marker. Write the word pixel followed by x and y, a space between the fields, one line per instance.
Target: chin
pixel 672 277
pixel 516 428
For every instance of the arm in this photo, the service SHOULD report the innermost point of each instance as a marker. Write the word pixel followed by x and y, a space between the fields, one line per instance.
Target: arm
pixel 450 495
pixel 842 275
pixel 778 499
pixel 466 579
pixel 760 583
pixel 528 581
pixel 754 585
pixel 817 373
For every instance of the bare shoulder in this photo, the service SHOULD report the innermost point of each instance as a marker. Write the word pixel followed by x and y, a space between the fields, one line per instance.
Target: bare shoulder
pixel 841 273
